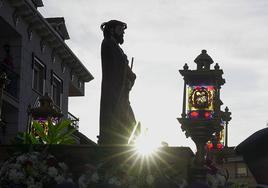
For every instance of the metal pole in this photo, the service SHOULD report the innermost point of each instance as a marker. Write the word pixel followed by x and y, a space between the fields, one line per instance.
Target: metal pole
pixel 226 135
pixel 184 101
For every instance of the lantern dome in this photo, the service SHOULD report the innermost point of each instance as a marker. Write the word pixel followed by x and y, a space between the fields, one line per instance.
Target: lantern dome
pixel 46 109
pixel 203 61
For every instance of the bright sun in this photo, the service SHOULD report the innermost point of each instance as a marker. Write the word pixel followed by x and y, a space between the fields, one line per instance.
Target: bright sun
pixel 146 145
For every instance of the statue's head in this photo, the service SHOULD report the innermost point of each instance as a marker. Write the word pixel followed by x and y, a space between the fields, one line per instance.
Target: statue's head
pixel 114 29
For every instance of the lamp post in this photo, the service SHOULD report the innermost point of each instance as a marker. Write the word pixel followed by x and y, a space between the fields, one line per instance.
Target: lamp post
pixel 43 112
pixel 201 115
pixel 226 117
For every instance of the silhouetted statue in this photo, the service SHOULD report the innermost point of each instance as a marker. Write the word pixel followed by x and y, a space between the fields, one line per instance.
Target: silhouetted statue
pixel 116 116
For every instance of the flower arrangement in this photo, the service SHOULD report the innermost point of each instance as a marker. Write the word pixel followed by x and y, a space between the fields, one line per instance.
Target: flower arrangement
pixel 127 176
pixel 216 177
pixel 217 180
pixel 116 177
pixel 33 170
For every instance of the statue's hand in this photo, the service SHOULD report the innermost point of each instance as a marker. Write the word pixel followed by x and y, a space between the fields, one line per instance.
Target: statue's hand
pixel 130 74
pixel 133 77
pixel 130 84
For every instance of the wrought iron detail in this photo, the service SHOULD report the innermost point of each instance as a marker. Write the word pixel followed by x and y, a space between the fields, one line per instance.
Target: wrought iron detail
pixel 75 121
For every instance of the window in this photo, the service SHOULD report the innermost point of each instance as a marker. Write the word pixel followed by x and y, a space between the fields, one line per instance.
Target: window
pixel 56 90
pixel 80 84
pixel 241 170
pixel 39 76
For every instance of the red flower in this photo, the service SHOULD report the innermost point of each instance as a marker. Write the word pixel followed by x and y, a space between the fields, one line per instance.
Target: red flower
pixel 51 161
pixel 28 163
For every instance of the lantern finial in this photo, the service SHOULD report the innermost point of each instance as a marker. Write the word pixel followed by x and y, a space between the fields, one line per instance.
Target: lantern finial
pixel 203 61
pixel 185 67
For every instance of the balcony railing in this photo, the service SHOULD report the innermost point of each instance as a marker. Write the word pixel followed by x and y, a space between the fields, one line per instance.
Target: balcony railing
pixel 75 121
pixel 12 84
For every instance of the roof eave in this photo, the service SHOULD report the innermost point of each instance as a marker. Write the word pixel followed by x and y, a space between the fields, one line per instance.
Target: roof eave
pixel 26 10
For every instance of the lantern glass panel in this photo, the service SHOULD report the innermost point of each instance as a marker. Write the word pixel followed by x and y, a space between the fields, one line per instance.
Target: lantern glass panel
pixel 200 98
pixel 44 123
pixel 221 137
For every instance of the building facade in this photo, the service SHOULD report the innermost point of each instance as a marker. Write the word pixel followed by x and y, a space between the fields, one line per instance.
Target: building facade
pixel 36 60
pixel 234 165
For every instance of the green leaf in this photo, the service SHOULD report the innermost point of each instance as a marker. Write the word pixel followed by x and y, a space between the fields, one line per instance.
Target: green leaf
pixel 40 131
pixel 67 135
pixel 51 132
pixel 63 124
pixel 33 139
pixel 68 141
pixel 60 133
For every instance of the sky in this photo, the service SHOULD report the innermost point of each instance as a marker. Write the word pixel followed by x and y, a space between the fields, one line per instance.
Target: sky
pixel 162 36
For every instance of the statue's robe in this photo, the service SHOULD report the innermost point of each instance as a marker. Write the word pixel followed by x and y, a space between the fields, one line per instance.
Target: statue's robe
pixel 116 116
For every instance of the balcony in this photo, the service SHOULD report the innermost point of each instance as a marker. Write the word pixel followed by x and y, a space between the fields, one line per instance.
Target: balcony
pixel 12 84
pixel 75 121
pixel 76 87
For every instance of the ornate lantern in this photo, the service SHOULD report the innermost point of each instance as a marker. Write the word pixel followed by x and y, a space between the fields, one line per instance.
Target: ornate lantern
pixel 44 112
pixel 201 114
